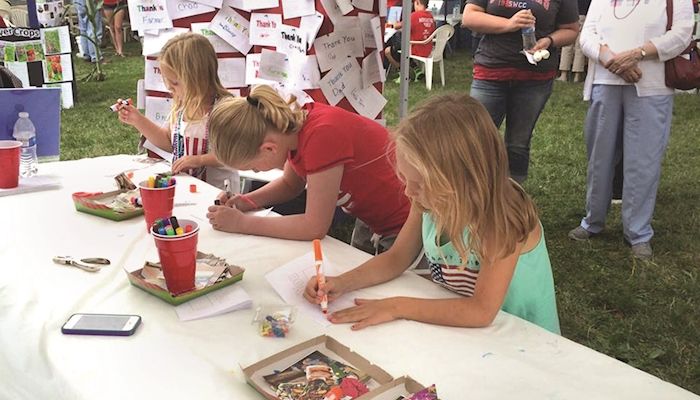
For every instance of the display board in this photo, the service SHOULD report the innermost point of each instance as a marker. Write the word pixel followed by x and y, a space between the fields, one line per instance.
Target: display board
pixel 319 50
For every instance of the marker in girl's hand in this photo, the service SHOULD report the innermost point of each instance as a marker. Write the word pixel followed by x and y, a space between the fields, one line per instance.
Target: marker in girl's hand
pixel 320 278
pixel 119 104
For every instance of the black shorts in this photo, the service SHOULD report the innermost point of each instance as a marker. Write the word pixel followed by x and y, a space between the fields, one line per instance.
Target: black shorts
pixel 394 45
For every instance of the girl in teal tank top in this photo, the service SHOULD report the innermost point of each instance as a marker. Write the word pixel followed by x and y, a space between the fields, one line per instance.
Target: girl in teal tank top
pixel 479 229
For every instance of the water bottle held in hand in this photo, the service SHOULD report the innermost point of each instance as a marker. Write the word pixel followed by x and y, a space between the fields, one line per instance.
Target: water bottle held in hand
pixel 529 39
pixel 25 132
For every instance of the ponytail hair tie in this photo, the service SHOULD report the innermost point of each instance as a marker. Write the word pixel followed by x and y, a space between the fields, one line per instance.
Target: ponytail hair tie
pixel 252 101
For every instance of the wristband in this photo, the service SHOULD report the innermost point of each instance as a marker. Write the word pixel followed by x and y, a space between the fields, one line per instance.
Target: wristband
pixel 551 40
pixel 249 201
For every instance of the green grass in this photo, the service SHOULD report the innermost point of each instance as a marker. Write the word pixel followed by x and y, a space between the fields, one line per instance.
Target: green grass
pixel 645 314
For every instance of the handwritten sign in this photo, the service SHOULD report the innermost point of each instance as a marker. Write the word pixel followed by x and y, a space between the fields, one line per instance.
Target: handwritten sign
pixel 368 102
pixel 274 66
pixel 232 72
pixel 153 77
pixel 220 45
pixel 210 3
pixel 345 6
pixel 298 8
pixel 310 24
pixel 305 73
pixel 158 109
pixel 183 8
pixel 372 69
pixel 332 10
pixel 349 30
pixel 233 28
pixel 252 70
pixel 264 29
pixel 291 41
pixel 331 49
pixel 367 5
pixel 152 44
pixel 149 14
pixel 344 77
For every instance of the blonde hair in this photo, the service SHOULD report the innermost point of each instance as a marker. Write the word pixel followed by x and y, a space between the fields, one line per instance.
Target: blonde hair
pixel 237 126
pixel 193 60
pixel 461 158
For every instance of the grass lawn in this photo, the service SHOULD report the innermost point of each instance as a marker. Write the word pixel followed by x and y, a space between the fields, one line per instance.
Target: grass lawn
pixel 644 314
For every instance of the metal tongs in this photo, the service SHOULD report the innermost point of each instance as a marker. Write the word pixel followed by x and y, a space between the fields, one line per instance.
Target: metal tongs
pixel 86 264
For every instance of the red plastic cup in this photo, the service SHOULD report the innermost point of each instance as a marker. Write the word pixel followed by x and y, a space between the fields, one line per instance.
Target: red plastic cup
pixel 157 202
pixel 178 258
pixel 9 163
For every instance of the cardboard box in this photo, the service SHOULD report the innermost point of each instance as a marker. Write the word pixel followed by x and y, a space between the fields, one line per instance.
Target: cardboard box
pixel 402 386
pixel 93 203
pixel 324 344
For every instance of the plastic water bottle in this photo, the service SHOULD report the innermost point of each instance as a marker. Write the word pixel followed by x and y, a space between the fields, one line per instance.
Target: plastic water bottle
pixel 529 39
pixel 26 133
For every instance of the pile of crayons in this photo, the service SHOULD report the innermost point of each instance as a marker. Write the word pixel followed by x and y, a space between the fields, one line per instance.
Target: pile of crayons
pixel 161 181
pixel 170 227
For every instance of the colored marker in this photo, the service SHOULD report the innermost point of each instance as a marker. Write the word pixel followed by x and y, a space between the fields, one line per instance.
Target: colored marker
pixel 169 230
pixel 188 228
pixel 193 188
pixel 320 278
pixel 174 223
pixel 115 107
pixel 179 231
pixel 151 182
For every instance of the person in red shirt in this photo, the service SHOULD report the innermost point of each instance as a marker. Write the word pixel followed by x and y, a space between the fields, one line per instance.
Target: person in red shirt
pixel 342 158
pixel 422 26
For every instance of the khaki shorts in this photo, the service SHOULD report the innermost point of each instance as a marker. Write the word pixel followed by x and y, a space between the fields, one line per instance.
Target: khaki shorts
pixel 364 239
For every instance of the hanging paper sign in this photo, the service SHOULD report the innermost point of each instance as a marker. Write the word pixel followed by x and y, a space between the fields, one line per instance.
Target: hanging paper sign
pixel 367 102
pixel 233 28
pixel 274 66
pixel 182 8
pixel 372 69
pixel 210 3
pixel 232 72
pixel 220 45
pixel 149 14
pixel 252 70
pixel 310 25
pixel 331 49
pixel 382 8
pixel 349 30
pixel 344 77
pixel 368 38
pixel 367 5
pixel 152 44
pixel 158 109
pixel 305 73
pixel 332 10
pixel 260 4
pixel 153 77
pixel 264 29
pixel 291 41
pixel 345 6
pixel 298 8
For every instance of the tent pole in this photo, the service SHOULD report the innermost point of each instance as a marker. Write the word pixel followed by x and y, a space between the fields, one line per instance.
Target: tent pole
pixel 405 50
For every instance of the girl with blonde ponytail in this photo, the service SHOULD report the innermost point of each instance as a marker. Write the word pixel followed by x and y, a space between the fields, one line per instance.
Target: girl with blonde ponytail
pixel 343 159
pixel 479 229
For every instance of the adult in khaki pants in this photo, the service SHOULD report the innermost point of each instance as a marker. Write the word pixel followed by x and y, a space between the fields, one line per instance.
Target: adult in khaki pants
pixel 572 58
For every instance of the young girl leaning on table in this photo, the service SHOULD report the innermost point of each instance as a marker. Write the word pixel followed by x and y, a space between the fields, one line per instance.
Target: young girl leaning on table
pixel 480 230
pixel 189 67
pixel 340 157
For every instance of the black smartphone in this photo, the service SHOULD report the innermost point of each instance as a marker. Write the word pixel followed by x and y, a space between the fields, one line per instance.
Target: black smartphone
pixel 101 324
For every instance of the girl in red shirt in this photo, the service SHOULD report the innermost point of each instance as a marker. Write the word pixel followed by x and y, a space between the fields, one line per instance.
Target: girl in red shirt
pixel 342 158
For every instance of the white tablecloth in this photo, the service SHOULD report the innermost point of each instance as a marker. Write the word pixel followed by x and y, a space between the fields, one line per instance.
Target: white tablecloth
pixel 202 359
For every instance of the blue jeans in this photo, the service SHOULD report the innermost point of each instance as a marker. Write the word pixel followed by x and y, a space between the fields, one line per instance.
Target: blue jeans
pixel 520 104
pixel 86 29
pixel 617 118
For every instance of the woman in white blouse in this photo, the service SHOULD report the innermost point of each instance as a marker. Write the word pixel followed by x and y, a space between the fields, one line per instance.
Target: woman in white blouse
pixel 627 43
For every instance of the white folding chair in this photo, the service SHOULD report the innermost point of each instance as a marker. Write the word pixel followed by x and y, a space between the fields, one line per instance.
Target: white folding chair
pixel 439 38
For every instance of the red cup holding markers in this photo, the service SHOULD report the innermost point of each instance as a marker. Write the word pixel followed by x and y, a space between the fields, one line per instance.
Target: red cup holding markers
pixel 177 252
pixel 157 198
pixel 9 163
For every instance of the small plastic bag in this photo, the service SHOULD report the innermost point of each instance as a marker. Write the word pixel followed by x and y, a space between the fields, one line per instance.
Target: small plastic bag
pixel 274 320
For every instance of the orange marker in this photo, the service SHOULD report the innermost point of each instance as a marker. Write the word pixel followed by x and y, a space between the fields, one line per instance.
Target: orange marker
pixel 320 278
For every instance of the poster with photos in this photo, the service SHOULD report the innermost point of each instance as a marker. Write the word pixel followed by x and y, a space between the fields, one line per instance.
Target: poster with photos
pixel 50 12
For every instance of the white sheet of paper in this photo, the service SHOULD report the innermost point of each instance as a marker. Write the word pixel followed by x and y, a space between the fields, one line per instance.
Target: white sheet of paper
pixel 331 49
pixel 376 24
pixel 233 28
pixel 367 5
pixel 152 44
pixel 36 183
pixel 264 29
pixel 210 3
pixel 220 45
pixel 165 155
pixel 224 300
pixel 232 72
pixel 149 14
pixel 291 41
pixel 368 102
pixel 345 6
pixel 289 281
pixel 141 94
pixel 183 8
pixel 350 31
pixel 19 69
pixel 305 73
pixel 153 78
pixel 274 66
pixel 239 4
pixel 332 10
pixel 368 39
pixel 260 4
pixel 310 24
pixel 298 8
pixel 158 109
pixel 344 77
pixel 372 69
pixel 252 70
pixel 382 9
